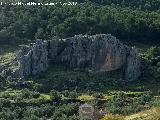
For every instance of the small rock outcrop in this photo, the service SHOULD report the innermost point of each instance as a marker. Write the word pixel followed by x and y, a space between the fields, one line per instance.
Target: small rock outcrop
pixel 30 60
pixel 97 53
pixel 34 60
pixel 133 65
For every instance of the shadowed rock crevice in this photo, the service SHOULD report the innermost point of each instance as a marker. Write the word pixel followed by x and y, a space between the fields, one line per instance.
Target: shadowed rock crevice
pixel 97 53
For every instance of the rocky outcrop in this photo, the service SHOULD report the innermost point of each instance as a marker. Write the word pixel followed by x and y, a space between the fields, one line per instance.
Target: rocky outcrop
pixel 34 60
pixel 30 60
pixel 97 53
pixel 133 65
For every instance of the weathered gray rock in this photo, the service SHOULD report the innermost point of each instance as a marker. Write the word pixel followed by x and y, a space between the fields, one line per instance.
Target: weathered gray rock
pixel 97 53
pixel 32 60
pixel 133 65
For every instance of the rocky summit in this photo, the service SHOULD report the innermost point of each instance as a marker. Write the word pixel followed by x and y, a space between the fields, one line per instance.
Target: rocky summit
pixel 97 53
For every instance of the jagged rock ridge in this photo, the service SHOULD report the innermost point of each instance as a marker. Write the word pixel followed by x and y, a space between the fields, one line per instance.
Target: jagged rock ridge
pixel 97 53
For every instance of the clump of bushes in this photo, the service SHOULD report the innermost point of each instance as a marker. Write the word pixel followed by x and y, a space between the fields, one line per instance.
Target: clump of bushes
pixel 152 64
pixel 98 95
pixel 123 104
pixel 152 56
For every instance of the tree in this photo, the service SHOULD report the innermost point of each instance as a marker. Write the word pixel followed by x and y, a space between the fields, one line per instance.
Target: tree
pixel 5 37
pixel 40 34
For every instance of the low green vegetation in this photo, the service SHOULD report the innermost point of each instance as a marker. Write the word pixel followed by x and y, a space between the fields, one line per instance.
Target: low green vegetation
pixel 8 48
pixel 37 105
pixel 152 65
pixel 7 59
pixel 24 96
pixel 58 93
pixel 60 79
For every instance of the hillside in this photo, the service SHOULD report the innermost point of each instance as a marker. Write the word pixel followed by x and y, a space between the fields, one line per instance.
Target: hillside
pixel 71 88
pixel 57 59
pixel 152 114
pixel 136 20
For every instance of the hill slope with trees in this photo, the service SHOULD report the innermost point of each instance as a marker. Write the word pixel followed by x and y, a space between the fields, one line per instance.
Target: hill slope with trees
pixel 57 93
pixel 18 23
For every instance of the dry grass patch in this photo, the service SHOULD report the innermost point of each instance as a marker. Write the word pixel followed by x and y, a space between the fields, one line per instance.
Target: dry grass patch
pixel 7 59
pixel 153 114
pixel 113 117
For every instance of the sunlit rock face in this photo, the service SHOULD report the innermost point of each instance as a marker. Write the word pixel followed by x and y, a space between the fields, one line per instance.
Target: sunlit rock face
pixel 97 53
pixel 30 60
pixel 35 60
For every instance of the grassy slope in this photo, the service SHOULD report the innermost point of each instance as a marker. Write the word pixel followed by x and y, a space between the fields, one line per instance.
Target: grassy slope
pixel 5 49
pixel 7 54
pixel 152 114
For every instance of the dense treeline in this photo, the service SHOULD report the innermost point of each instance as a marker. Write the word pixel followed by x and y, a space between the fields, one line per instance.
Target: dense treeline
pixel 46 22
pixel 150 5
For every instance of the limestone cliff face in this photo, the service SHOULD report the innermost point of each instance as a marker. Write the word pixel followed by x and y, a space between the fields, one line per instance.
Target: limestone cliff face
pixel 31 60
pixel 133 65
pixel 97 53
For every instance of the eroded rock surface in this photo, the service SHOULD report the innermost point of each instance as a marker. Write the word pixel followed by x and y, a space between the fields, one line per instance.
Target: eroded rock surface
pixel 30 60
pixel 97 53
